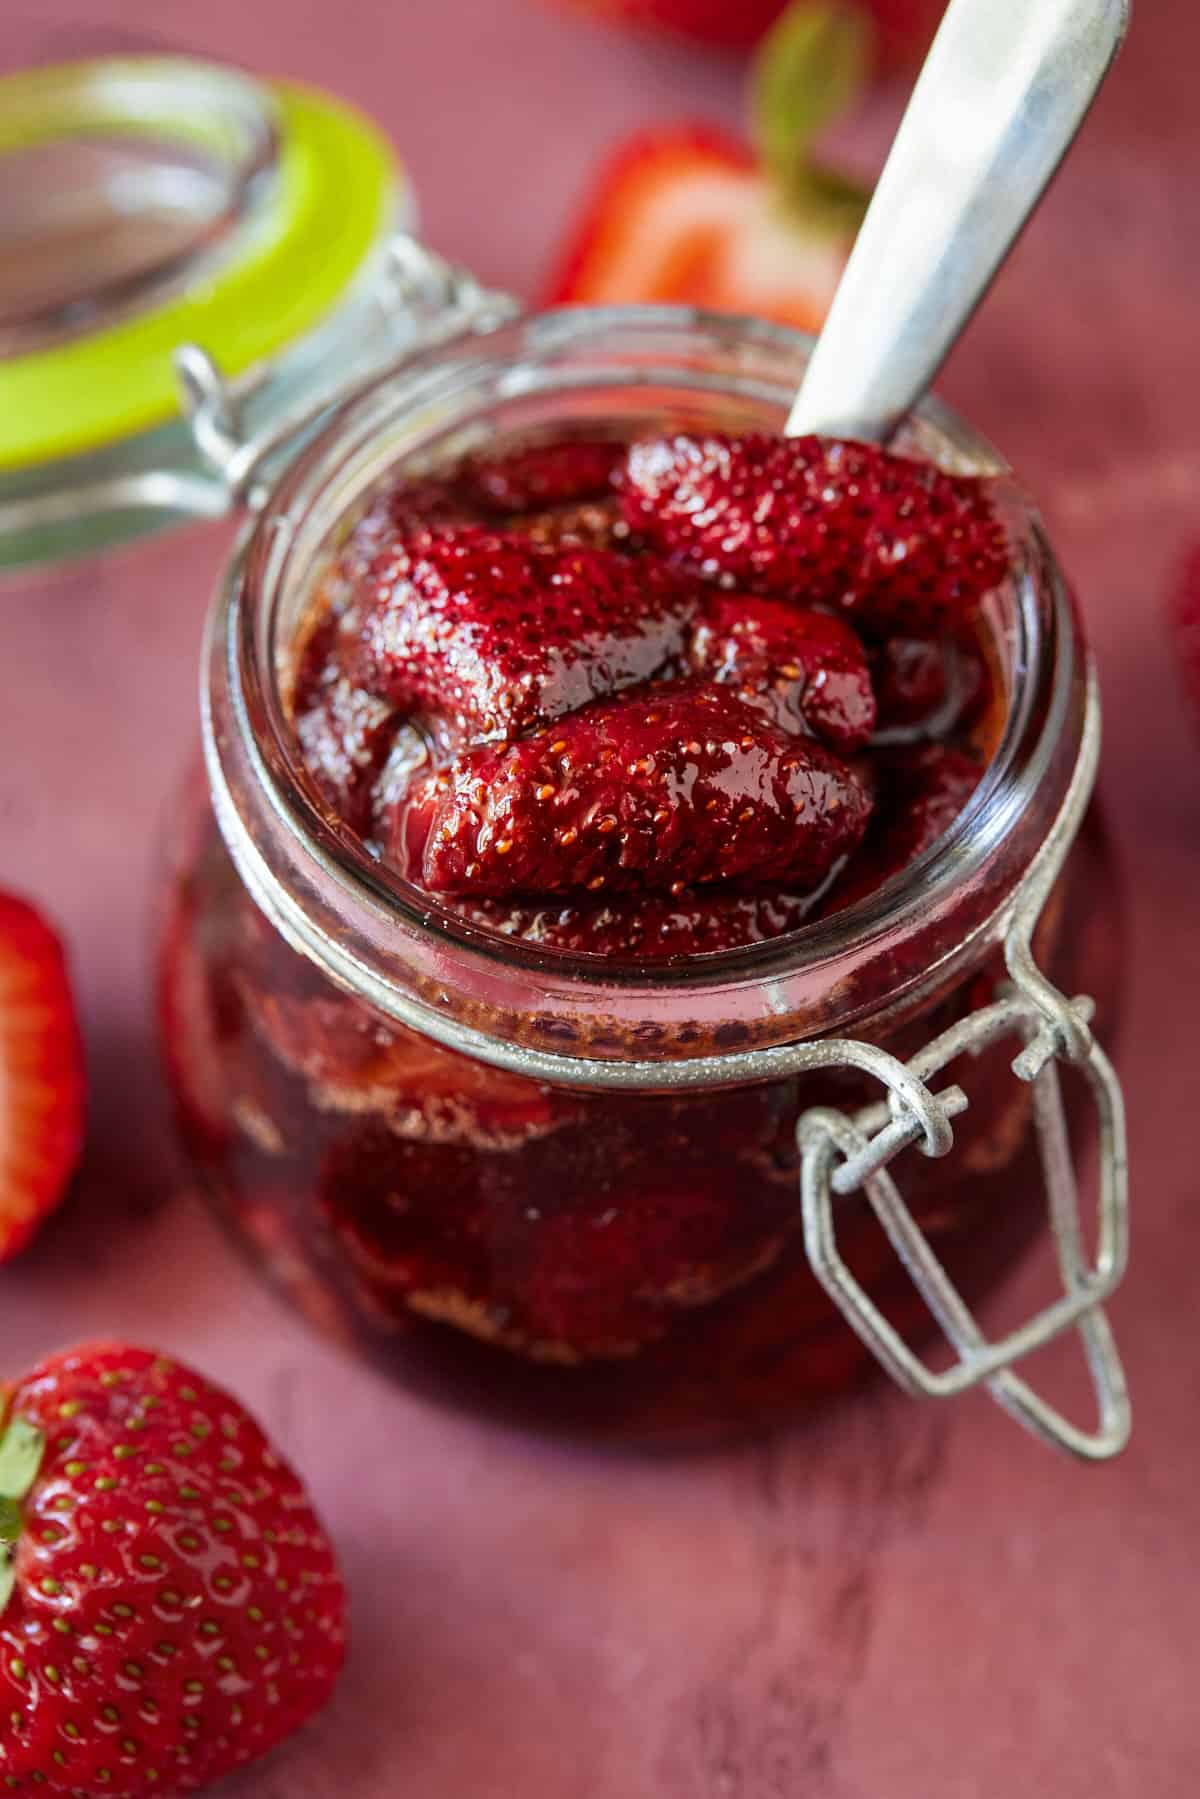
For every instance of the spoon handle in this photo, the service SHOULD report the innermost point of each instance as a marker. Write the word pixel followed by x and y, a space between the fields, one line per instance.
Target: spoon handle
pixel 1002 94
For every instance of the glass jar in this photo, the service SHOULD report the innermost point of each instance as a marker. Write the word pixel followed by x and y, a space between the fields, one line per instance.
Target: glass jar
pixel 655 1203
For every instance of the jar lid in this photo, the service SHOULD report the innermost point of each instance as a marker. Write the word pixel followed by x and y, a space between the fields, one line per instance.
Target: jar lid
pixel 147 202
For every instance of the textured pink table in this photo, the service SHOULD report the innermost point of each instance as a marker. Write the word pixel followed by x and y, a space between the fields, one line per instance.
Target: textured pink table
pixel 903 1602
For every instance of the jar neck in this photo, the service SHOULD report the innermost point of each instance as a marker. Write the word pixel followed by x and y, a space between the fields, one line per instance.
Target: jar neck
pixel 569 1017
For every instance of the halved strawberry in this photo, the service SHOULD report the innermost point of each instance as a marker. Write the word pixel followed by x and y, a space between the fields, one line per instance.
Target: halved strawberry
pixel 692 215
pixel 686 216
pixel 41 1074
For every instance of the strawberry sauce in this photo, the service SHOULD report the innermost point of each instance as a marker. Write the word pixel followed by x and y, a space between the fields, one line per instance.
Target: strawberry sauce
pixel 646 703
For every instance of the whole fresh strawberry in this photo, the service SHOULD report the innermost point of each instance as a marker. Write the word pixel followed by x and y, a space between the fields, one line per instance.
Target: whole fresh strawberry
pixel 171 1604
pixel 41 1074
pixel 691 215
pixel 902 27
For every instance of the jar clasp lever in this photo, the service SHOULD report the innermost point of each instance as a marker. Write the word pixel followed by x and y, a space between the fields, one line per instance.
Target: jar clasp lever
pixel 842 1153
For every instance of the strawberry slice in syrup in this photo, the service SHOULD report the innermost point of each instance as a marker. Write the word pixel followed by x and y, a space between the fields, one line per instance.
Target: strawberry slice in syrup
pixel 488 633
pixel 651 790
pixel 898 544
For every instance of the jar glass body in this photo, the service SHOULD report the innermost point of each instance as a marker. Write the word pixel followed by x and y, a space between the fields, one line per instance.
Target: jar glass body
pixel 374 1095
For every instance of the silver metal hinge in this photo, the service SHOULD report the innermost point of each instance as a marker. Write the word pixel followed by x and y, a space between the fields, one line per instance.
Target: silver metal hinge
pixel 429 301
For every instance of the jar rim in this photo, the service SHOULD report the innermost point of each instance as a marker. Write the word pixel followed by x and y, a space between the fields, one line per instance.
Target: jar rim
pixel 445 972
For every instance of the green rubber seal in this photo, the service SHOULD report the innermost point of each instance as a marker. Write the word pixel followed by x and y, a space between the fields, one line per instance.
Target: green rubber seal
pixel 334 199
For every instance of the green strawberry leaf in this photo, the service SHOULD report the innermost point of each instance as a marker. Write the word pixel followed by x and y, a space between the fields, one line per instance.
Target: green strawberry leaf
pixel 21 1449
pixel 823 202
pixel 810 68
pixel 22 1446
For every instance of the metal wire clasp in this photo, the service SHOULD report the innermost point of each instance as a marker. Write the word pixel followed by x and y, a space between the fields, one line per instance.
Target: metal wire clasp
pixel 427 301
pixel 841 1153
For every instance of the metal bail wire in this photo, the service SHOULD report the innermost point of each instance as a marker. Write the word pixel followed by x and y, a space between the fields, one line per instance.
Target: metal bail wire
pixel 842 1153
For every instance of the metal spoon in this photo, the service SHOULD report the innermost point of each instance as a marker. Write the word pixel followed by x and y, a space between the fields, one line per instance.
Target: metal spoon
pixel 1005 88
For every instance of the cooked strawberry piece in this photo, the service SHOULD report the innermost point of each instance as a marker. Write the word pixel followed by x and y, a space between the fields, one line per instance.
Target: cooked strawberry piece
pixel 593 525
pixel 927 687
pixel 931 785
pixel 346 736
pixel 542 475
pixel 490 633
pixel 640 927
pixel 909 677
pixel 585 1289
pixel 41 1074
pixel 604 1274
pixel 579 1247
pixel 898 544
pixel 925 788
pixel 409 1215
pixel 806 670
pixel 648 791
pixel 359 1062
pixel 399 508
pixel 172 1606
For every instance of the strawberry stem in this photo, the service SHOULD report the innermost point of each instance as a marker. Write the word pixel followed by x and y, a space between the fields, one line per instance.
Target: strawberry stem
pixel 810 68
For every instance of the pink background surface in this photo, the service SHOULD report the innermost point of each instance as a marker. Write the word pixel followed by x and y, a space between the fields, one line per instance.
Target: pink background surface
pixel 901 1601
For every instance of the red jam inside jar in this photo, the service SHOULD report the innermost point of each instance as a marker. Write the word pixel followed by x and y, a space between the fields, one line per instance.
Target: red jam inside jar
pixel 638 704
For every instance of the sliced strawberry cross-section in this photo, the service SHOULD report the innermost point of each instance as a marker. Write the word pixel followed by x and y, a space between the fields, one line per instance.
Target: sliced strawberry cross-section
pixel 684 214
pixel 899 544
pixel 650 790
pixel 806 670
pixel 489 633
